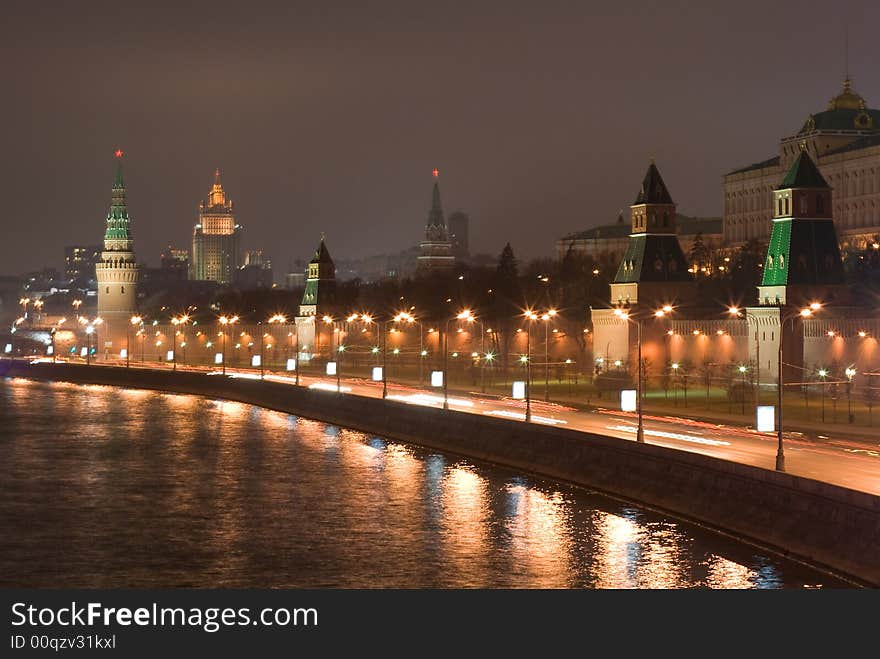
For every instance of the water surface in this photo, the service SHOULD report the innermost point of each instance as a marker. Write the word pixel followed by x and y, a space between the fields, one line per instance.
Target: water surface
pixel 110 487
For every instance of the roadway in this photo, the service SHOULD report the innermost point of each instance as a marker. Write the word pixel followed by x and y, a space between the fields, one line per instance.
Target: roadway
pixel 845 462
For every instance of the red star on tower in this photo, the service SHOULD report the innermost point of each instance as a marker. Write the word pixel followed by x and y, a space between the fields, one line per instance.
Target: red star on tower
pixel 436 172
pixel 118 153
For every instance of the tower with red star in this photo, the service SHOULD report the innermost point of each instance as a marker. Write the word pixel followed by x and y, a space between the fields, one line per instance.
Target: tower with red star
pixel 436 248
pixel 116 271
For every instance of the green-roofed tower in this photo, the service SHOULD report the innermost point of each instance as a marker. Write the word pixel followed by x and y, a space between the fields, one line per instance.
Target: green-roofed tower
pixel 803 261
pixel 320 292
pixel 653 269
pixel 116 272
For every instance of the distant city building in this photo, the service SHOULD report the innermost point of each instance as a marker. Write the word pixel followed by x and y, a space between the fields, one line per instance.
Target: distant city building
pixel 255 257
pixel 216 251
pixel 295 277
pixel 436 249
pixel 117 271
pixel 611 240
pixel 79 264
pixel 459 228
pixel 174 263
pixel 844 141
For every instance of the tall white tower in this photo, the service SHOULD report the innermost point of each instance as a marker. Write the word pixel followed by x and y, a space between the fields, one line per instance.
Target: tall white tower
pixel 116 272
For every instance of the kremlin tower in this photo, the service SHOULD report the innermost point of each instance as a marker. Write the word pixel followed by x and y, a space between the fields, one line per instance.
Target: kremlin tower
pixel 116 271
pixel 436 249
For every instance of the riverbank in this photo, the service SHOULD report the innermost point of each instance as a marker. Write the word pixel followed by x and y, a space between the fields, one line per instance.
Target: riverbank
pixel 828 526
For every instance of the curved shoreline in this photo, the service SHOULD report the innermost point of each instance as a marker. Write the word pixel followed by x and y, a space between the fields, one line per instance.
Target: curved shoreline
pixel 827 527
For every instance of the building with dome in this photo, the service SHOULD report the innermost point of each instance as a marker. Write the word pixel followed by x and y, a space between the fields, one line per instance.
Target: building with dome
pixel 844 142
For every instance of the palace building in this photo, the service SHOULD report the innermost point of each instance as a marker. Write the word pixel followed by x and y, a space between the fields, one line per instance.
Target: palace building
pixel 844 142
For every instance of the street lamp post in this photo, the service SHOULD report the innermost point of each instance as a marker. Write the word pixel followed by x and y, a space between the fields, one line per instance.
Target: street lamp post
pixel 823 374
pixel 135 320
pixel 467 315
pixel 659 313
pixel 850 374
pixel 735 311
pixel 531 317
pixel 803 313
pixel 547 317
pixel 91 328
pixel 276 319
pixel 226 321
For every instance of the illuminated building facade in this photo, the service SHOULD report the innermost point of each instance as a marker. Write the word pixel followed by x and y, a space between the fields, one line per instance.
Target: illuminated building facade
pixel 844 142
pixel 216 250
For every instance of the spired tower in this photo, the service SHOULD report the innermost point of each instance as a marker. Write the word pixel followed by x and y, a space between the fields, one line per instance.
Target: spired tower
pixel 117 271
pixel 216 251
pixel 319 300
pixel 652 273
pixel 653 269
pixel 802 266
pixel 436 248
pixel 803 261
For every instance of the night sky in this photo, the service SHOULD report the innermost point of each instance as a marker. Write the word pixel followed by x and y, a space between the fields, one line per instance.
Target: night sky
pixel 541 116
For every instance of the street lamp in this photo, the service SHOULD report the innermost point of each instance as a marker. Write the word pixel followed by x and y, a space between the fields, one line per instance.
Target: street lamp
pixel 823 373
pixel 737 313
pixel 850 374
pixel 620 313
pixel 176 321
pixel 134 320
pixel 803 313
pixel 407 317
pixel 531 317
pixel 277 319
pixel 467 315
pixel 91 328
pixel 224 321
pixel 742 371
pixel 546 317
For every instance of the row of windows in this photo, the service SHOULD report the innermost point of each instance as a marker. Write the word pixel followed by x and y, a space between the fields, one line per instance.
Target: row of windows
pixel 846 184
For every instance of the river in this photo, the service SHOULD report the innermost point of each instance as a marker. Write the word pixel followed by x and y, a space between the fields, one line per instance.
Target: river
pixel 107 487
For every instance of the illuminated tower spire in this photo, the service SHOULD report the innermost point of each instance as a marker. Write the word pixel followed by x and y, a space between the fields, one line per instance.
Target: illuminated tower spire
pixel 117 235
pixel 117 270
pixel 436 248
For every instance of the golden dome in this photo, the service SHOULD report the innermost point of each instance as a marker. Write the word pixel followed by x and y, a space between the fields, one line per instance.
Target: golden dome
pixel 847 99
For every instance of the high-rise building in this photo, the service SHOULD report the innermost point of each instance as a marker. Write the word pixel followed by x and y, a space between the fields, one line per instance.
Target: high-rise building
pixel 216 252
pixel 458 234
pixel 79 264
pixel 436 249
pixel 117 271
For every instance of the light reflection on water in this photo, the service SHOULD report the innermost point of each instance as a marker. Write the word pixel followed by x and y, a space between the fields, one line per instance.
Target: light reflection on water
pixel 104 487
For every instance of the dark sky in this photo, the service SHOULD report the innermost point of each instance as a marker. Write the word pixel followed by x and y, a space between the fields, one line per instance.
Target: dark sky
pixel 325 116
